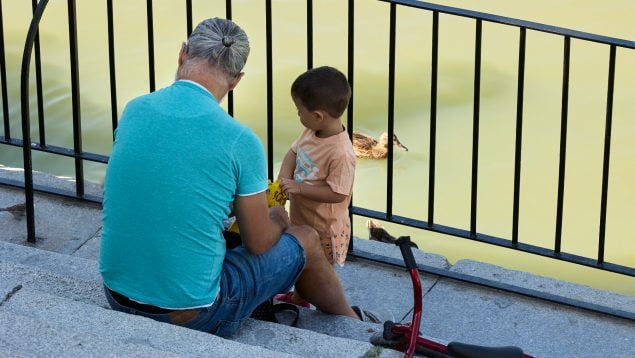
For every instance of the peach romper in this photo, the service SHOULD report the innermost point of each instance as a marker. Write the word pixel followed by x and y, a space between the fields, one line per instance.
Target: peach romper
pixel 325 161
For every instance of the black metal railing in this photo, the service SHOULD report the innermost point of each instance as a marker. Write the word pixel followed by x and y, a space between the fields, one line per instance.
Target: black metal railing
pixel 472 234
pixel 388 215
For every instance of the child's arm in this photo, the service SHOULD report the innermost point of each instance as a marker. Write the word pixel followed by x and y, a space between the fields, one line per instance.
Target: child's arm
pixel 288 165
pixel 321 193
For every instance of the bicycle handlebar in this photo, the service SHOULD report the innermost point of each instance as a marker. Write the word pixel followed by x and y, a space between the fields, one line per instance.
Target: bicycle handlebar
pixel 404 245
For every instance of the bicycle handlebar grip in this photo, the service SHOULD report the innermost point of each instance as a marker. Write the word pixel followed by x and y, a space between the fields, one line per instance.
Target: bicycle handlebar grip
pixel 406 251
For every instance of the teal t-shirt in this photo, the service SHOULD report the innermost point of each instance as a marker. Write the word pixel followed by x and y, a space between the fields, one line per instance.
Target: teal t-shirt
pixel 177 163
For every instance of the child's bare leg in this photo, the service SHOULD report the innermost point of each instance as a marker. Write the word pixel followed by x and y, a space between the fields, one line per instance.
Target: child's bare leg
pixel 319 283
pixel 295 297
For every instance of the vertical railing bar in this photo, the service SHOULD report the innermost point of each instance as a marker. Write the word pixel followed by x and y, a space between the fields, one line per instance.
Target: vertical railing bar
pixel 111 63
pixel 391 108
pixel 350 75
pixel 3 80
pixel 228 9
pixel 563 142
pixel 476 124
pixel 26 127
pixel 230 95
pixel 269 88
pixel 519 132
pixel 188 15
pixel 75 99
pixel 433 115
pixel 150 23
pixel 607 155
pixel 38 85
pixel 351 65
pixel 309 34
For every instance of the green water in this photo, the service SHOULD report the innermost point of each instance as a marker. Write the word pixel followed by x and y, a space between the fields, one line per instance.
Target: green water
pixel 541 128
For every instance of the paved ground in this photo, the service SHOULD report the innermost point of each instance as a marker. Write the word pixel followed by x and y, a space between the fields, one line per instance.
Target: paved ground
pixel 452 310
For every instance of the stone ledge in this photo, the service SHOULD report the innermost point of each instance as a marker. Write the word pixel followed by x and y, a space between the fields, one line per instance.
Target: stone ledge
pixel 547 285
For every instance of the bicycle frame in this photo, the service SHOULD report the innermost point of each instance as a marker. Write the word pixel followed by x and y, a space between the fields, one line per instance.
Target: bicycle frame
pixel 406 338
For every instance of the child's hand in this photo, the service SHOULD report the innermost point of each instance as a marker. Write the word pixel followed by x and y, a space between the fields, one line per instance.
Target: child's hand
pixel 275 194
pixel 289 186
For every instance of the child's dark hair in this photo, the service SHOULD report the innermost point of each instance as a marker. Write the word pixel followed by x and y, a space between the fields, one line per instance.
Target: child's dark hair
pixel 322 88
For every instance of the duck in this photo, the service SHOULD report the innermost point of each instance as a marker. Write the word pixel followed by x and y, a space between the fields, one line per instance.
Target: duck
pixel 17 210
pixel 366 146
pixel 377 232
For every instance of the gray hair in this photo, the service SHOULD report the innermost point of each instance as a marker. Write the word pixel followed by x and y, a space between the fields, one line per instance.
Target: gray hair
pixel 222 43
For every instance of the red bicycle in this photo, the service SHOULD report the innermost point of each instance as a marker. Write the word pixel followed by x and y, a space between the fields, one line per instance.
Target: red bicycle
pixel 406 338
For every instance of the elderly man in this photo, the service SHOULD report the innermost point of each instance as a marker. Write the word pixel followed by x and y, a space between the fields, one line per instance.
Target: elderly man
pixel 178 163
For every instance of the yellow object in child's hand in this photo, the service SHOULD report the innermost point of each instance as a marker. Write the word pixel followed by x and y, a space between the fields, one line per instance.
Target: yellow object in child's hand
pixel 275 196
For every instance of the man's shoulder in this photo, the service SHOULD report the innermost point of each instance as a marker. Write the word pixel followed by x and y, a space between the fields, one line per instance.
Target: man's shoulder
pixel 140 102
pixel 241 130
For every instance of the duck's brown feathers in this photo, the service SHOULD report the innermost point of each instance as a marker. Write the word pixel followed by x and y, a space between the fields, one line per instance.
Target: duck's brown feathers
pixel 17 210
pixel 377 232
pixel 368 147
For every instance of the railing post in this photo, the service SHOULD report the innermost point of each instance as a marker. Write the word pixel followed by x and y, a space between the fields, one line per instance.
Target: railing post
pixel 150 24
pixel 351 76
pixel 391 107
pixel 188 14
pixel 75 96
pixel 3 80
pixel 607 154
pixel 230 95
pixel 476 124
pixel 563 143
pixel 269 44
pixel 519 133
pixel 112 67
pixel 26 127
pixel 38 83
pixel 433 115
pixel 309 34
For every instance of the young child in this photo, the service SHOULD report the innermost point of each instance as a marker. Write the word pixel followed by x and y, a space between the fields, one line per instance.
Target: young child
pixel 317 173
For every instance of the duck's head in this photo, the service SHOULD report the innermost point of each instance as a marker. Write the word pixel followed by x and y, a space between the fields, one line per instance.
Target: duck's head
pixel 383 139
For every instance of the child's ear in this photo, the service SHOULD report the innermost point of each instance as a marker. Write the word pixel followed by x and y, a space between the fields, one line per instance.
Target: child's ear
pixel 319 115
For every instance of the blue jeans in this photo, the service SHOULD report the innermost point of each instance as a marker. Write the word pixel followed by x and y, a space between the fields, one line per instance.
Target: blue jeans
pixel 247 280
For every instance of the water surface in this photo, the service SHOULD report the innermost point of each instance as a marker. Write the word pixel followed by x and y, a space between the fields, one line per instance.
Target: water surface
pixel 541 127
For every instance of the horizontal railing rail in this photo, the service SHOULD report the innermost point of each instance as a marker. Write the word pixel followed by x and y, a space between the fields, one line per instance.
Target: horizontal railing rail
pixel 476 15
pixel 79 155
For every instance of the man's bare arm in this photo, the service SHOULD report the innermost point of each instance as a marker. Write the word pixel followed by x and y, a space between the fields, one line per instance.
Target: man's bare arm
pixel 260 227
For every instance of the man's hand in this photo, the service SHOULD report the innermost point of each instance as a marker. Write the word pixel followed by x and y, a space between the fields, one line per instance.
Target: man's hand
pixel 258 229
pixel 279 215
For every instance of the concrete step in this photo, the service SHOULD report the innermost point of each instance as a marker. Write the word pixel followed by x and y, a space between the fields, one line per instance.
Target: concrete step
pixel 86 291
pixel 91 324
pixel 52 287
pixel 53 262
pixel 63 314
pixel 25 337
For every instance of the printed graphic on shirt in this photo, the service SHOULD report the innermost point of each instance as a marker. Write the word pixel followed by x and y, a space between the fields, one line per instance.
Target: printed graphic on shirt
pixel 305 168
